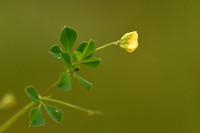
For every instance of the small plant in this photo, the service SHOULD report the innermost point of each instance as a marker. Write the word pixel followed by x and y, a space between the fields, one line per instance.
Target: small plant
pixel 83 55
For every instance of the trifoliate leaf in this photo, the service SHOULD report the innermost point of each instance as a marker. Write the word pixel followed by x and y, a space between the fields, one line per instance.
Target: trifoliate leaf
pixel 86 83
pixel 68 37
pixel 81 47
pixel 31 92
pixel 36 117
pixel 79 55
pixel 65 82
pixel 54 113
pixel 80 50
pixel 91 62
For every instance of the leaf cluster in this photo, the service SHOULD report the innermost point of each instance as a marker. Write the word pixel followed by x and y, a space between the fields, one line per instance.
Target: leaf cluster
pixel 82 55
pixel 36 117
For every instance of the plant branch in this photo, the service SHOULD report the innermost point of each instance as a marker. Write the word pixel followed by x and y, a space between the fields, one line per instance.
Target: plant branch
pixel 90 112
pixel 50 88
pixel 15 117
pixel 10 121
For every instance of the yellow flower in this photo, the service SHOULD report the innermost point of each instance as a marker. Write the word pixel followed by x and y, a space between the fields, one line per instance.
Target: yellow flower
pixel 7 101
pixel 129 41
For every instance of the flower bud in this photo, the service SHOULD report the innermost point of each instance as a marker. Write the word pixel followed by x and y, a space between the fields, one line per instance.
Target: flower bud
pixel 7 101
pixel 129 41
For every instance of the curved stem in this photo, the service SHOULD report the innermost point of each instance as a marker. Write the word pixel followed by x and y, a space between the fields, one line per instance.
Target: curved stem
pixel 106 45
pixel 15 117
pixel 90 112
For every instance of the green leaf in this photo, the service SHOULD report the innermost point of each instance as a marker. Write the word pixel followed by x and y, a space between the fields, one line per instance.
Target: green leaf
pixel 32 94
pixel 91 62
pixel 79 55
pixel 86 83
pixel 67 60
pixel 68 37
pixel 89 49
pixel 56 51
pixel 54 113
pixel 65 82
pixel 36 118
pixel 81 47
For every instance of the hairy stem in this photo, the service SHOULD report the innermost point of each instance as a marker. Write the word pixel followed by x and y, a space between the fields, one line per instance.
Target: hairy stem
pixel 90 112
pixel 15 117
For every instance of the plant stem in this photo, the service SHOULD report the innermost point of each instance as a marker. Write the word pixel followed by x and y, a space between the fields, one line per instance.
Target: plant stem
pixel 90 112
pixel 15 117
pixel 50 88
pixel 106 45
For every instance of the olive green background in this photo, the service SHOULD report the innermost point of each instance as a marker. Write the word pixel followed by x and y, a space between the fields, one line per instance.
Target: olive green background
pixel 156 89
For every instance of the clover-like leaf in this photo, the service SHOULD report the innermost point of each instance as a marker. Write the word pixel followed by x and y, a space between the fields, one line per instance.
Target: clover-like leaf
pixel 65 82
pixel 36 117
pixel 78 55
pixel 81 47
pixel 89 49
pixel 67 60
pixel 56 51
pixel 54 113
pixel 91 62
pixel 31 92
pixel 68 37
pixel 86 83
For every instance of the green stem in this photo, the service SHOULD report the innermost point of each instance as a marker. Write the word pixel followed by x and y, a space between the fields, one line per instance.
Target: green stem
pixel 90 112
pixel 106 45
pixel 50 88
pixel 15 117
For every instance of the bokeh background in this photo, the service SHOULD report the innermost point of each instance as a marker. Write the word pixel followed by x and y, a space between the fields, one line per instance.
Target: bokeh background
pixel 156 89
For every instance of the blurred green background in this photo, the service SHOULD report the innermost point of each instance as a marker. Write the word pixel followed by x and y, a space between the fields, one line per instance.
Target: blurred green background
pixel 154 90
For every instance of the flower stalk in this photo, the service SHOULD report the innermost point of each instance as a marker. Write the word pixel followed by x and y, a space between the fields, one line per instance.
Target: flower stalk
pixel 106 45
